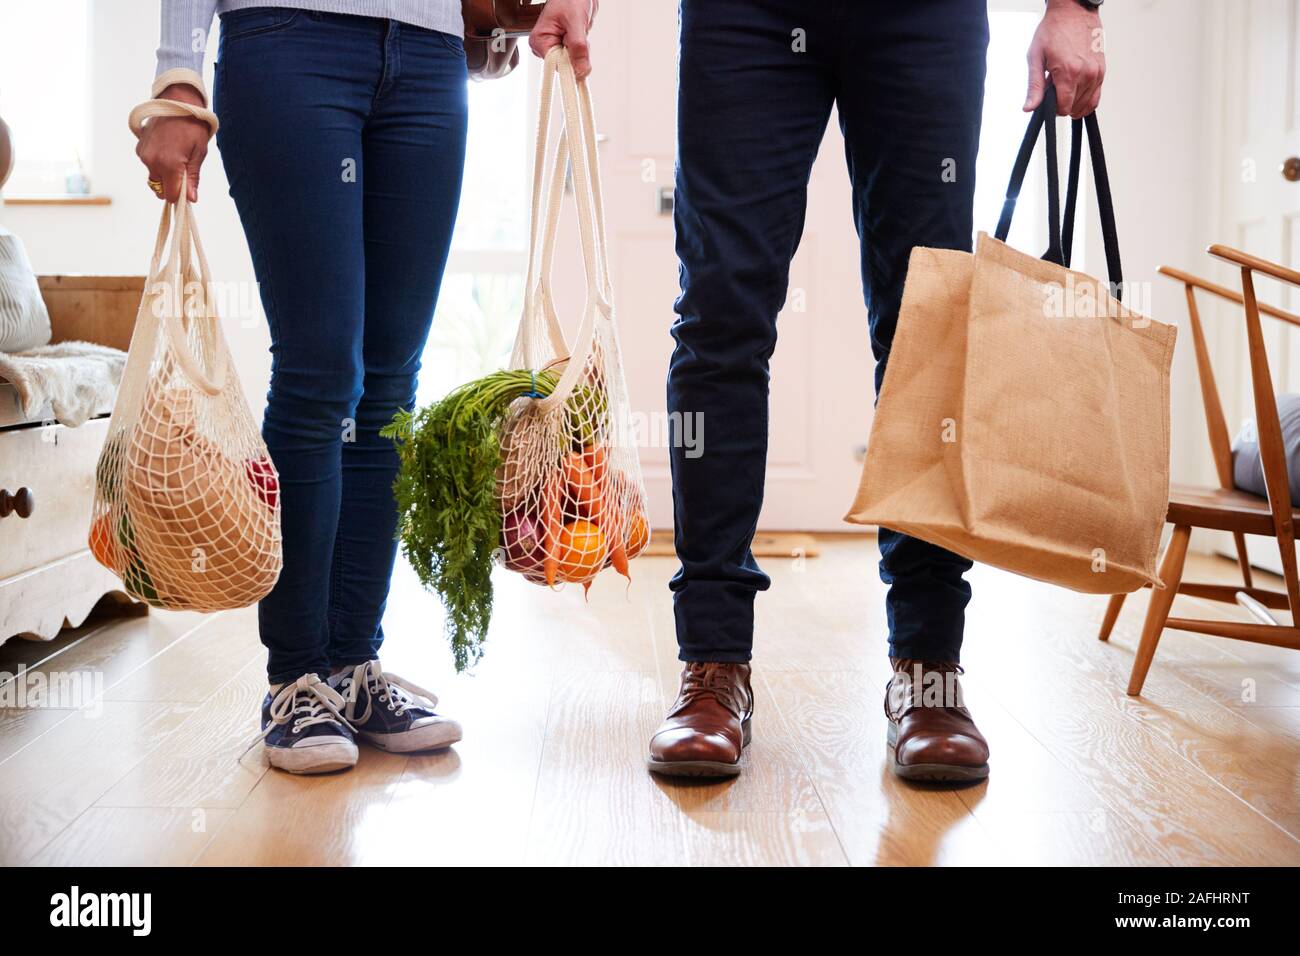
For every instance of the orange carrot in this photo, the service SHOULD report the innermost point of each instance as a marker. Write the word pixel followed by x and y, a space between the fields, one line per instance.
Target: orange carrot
pixel 551 531
pixel 618 558
pixel 609 508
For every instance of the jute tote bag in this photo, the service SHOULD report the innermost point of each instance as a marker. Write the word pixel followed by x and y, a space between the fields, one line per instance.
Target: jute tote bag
pixel 570 486
pixel 1023 421
pixel 187 505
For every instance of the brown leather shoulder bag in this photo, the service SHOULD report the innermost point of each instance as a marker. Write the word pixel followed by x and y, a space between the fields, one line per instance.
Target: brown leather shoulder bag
pixel 492 32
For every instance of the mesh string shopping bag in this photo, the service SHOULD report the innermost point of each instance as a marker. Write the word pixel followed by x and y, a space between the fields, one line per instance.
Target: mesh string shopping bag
pixel 533 467
pixel 187 509
pixel 569 459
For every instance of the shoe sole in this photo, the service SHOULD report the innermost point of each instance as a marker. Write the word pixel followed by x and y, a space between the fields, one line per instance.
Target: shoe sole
pixel 305 761
pixel 430 737
pixel 931 772
pixel 701 768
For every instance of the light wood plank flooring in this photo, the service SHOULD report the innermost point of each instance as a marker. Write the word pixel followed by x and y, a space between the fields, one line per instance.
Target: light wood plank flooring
pixel 1203 769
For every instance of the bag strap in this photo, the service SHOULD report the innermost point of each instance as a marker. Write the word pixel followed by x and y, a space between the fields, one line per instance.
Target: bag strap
pixel 1061 232
pixel 179 267
pixel 537 303
pixel 1071 191
pixel 576 149
pixel 185 242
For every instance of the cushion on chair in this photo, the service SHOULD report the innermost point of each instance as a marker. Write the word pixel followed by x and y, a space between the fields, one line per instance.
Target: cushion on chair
pixel 1247 469
pixel 24 320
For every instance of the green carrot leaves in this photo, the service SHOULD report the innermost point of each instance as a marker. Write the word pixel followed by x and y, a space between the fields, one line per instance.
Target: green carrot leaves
pixel 449 519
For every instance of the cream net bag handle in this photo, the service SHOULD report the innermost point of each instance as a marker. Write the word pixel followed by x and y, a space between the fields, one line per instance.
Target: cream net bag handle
pixel 188 288
pixel 539 317
pixel 178 271
pixel 187 501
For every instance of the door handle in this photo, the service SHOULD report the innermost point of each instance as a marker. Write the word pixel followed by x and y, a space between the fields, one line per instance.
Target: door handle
pixel 1290 169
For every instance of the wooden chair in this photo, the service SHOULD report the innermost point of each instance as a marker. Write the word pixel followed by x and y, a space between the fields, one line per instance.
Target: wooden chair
pixel 1226 508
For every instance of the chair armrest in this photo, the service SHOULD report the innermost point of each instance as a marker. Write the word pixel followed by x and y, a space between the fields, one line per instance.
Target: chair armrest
pixel 1254 263
pixel 1225 293
pixel 91 308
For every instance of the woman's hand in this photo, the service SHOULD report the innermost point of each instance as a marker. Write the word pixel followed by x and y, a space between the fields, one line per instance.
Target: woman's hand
pixel 566 22
pixel 173 147
pixel 1068 45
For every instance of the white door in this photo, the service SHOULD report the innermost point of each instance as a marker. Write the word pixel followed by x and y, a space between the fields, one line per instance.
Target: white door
pixel 1261 205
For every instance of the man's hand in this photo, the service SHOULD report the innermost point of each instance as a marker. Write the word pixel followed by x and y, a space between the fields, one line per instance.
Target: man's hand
pixel 566 22
pixel 173 147
pixel 1068 45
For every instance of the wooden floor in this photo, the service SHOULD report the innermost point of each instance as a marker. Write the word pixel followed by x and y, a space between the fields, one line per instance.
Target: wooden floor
pixel 1204 769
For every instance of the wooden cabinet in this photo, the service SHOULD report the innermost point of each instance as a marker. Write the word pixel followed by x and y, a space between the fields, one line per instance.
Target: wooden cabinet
pixel 48 577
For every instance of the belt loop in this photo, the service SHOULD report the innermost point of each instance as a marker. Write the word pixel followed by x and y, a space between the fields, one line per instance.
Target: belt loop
pixel 391 65
pixel 394 50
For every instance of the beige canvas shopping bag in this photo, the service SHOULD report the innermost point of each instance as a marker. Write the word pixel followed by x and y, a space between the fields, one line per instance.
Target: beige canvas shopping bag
pixel 1023 421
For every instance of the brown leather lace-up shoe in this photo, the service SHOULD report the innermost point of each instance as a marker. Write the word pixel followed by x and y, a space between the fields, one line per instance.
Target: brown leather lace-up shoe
pixel 932 734
pixel 708 727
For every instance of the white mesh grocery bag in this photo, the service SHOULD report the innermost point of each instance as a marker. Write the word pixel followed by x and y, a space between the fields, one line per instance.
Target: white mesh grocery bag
pixel 569 460
pixel 535 467
pixel 187 502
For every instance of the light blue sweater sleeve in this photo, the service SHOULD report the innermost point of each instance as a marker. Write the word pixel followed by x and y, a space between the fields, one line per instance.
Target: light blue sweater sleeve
pixel 184 34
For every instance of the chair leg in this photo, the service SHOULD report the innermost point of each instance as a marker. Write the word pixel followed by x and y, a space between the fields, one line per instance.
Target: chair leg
pixel 1171 572
pixel 1112 612
pixel 1243 561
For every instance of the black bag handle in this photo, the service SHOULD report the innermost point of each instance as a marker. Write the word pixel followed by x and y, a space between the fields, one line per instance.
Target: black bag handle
pixel 1061 233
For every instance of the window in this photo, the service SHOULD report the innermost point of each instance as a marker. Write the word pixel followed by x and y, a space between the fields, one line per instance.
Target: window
pixel 44 94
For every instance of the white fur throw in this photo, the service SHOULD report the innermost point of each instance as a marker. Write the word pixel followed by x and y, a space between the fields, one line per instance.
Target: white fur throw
pixel 77 380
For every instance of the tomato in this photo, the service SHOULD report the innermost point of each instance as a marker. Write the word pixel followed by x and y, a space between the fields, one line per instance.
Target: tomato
pixel 262 474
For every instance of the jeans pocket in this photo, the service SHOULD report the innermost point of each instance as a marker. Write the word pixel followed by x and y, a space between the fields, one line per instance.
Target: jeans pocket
pixel 450 41
pixel 256 21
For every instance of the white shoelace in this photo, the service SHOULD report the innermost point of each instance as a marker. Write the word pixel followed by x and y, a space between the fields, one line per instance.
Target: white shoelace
pixel 399 694
pixel 307 701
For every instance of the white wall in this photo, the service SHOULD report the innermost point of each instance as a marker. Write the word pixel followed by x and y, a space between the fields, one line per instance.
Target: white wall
pixel 1154 117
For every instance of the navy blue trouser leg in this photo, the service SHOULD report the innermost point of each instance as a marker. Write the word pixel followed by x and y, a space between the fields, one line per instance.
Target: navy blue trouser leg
pixel 343 139
pixel 757 81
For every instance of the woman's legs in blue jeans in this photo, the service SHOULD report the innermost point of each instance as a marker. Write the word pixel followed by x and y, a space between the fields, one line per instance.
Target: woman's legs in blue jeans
pixel 414 154
pixel 343 139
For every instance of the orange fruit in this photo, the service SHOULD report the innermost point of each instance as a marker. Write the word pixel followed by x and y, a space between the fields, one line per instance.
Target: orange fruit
pixel 103 546
pixel 638 534
pixel 581 550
